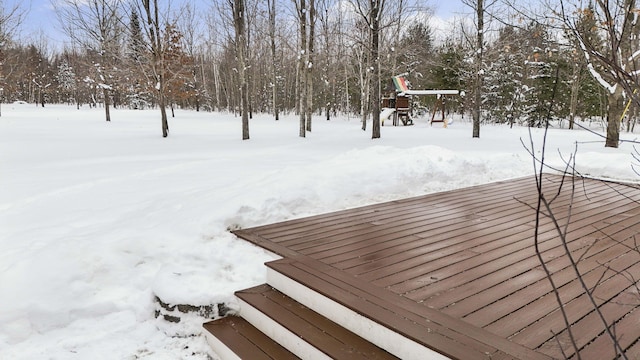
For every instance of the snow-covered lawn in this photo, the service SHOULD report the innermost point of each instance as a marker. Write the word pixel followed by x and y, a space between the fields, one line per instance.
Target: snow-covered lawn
pixel 96 218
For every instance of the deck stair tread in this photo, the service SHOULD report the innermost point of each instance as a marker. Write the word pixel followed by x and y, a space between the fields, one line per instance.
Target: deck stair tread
pixel 315 329
pixel 246 341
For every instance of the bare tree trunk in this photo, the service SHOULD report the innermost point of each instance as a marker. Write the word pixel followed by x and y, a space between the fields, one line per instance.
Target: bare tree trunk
pixel 157 54
pixel 310 65
pixel 364 108
pixel 274 68
pixel 239 24
pixel 216 81
pixel 163 115
pixel 105 93
pixel 477 105
pixel 376 10
pixel 575 90
pixel 613 118
pixel 330 53
pixel 365 85
pixel 302 88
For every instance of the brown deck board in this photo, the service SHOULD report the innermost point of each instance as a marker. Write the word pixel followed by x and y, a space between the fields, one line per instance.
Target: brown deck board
pixel 470 298
pixel 536 334
pixel 466 258
pixel 445 230
pixel 627 330
pixel 426 220
pixel 517 252
pixel 247 341
pixel 300 233
pixel 590 327
pixel 540 308
pixel 457 239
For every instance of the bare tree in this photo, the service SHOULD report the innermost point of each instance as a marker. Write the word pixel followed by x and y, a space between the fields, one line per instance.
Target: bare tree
pixel 478 76
pixel 191 30
pixel 271 9
pixel 239 24
pixel 332 52
pixel 301 10
pixel 157 51
pixel 544 208
pixel 10 19
pixel 609 46
pixel 363 64
pixel 377 7
pixel 95 26
pixel 371 12
pixel 309 72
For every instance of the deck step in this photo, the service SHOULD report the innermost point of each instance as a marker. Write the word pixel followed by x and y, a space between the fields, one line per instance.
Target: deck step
pixel 233 337
pixel 319 293
pixel 304 332
pixel 396 324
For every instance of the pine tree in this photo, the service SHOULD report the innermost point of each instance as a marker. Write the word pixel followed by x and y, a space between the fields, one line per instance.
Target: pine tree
pixel 446 72
pixel 417 54
pixel 539 75
pixel 136 50
pixel 66 79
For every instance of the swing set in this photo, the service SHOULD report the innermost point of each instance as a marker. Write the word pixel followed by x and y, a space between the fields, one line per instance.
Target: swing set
pixel 400 104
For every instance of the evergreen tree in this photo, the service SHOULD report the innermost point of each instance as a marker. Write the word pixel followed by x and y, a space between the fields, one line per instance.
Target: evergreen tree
pixel 138 90
pixel 66 79
pixel 504 90
pixel 447 72
pixel 539 70
pixel 136 45
pixel 417 54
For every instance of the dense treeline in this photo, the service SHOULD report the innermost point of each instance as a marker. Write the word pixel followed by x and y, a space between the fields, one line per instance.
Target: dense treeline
pixel 200 66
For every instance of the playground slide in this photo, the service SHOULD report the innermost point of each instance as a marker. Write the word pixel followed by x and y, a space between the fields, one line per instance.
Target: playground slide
pixel 385 113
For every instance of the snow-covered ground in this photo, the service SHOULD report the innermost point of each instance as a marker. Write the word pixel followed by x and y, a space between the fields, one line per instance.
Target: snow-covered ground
pixel 96 218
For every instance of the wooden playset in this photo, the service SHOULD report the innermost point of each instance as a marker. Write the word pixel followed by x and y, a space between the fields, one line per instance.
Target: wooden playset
pixel 399 104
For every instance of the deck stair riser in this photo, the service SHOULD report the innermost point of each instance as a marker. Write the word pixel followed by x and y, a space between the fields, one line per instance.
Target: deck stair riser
pixel 377 334
pixel 280 334
pixel 220 348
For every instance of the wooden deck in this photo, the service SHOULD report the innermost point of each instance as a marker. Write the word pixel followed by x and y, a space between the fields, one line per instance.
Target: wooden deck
pixel 464 262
